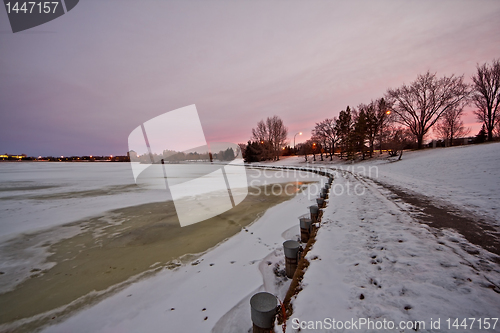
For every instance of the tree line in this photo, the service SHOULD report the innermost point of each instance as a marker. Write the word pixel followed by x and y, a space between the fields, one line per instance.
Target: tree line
pixel 172 156
pixel 401 119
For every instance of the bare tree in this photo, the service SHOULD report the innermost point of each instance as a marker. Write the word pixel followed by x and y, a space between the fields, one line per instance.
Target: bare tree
pixel 273 131
pixel 305 148
pixel 398 139
pixel 325 130
pixel 260 133
pixel 421 104
pixel 451 125
pixel 486 95
pixel 278 133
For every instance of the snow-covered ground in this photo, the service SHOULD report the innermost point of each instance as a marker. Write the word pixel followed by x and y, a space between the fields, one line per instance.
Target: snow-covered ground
pixel 465 176
pixel 372 259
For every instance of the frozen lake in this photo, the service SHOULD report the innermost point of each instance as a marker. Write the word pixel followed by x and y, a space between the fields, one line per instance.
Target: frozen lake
pixel 87 228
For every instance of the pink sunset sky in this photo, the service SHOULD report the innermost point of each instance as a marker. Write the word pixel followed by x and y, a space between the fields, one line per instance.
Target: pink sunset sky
pixel 80 84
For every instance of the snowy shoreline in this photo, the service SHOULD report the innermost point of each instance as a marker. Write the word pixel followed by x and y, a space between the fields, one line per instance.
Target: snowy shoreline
pixel 218 282
pixel 372 258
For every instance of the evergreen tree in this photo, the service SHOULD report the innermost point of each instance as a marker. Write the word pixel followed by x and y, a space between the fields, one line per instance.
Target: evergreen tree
pixel 360 132
pixel 344 127
pixel 481 136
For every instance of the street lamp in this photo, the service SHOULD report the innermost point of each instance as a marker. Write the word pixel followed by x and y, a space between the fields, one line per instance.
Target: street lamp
pixel 300 133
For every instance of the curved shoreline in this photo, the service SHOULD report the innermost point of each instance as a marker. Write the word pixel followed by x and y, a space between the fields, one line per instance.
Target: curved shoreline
pixel 112 249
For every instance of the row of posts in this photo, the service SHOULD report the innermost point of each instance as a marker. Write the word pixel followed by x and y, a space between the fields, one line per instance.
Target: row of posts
pixel 263 304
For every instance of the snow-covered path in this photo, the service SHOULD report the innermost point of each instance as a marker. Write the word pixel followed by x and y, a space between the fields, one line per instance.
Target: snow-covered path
pixel 372 259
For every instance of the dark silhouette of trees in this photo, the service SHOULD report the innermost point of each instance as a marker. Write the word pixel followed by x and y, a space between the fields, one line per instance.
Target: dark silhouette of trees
pixel 305 148
pixel 384 119
pixel 482 135
pixel 344 128
pixel 398 138
pixel 360 132
pixel 327 135
pixel 225 155
pixel 257 151
pixel 451 125
pixel 319 144
pixel 372 124
pixel 377 120
pixel 273 132
pixel 422 103
pixel 486 95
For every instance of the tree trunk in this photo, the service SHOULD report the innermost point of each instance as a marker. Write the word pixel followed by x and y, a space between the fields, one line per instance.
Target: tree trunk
pixel 420 139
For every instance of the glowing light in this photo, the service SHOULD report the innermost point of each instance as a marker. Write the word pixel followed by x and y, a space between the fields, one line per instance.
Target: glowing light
pixel 300 133
pixel 388 112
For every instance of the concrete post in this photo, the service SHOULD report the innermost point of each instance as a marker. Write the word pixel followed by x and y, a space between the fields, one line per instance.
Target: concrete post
pixel 263 311
pixel 314 213
pixel 291 248
pixel 320 202
pixel 305 229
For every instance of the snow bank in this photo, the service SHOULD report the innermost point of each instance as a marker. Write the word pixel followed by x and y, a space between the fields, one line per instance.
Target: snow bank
pixel 371 260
